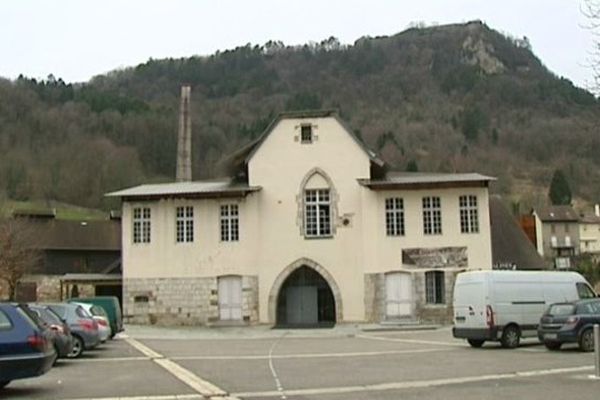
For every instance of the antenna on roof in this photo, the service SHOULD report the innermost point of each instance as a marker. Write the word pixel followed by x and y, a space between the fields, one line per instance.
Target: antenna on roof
pixel 184 140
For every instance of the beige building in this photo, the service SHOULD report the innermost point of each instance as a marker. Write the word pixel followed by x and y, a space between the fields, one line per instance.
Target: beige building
pixel 311 229
pixel 589 232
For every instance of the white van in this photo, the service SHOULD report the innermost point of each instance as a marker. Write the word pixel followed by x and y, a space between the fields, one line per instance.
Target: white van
pixel 507 305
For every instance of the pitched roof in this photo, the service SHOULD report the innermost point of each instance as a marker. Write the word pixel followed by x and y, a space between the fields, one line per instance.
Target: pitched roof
pixel 557 214
pixel 510 244
pixel 244 154
pixel 58 234
pixel 416 180
pixel 197 189
pixel 589 219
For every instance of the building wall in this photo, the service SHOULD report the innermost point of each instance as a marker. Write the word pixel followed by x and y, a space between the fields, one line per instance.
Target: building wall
pixel 561 231
pixel 182 276
pixel 589 238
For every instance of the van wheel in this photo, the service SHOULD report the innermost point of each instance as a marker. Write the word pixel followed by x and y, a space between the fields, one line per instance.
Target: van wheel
pixel 511 336
pixel 477 343
pixel 586 341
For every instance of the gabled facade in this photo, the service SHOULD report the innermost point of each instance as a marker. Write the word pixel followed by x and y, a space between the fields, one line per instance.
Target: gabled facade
pixel 557 233
pixel 310 229
pixel 589 232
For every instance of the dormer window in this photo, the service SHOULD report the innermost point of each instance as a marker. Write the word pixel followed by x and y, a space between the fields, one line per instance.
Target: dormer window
pixel 306 134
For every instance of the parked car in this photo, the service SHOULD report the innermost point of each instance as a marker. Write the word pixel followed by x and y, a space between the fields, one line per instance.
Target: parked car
pixel 84 328
pixel 26 349
pixel 101 318
pixel 61 334
pixel 571 322
pixel 507 305
pixel 110 304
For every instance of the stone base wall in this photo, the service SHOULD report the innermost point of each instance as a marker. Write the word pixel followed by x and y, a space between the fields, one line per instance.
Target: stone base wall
pixel 375 298
pixel 47 288
pixel 182 301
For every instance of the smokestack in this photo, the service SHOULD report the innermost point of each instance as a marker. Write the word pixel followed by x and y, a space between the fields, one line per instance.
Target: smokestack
pixel 184 140
pixel 597 210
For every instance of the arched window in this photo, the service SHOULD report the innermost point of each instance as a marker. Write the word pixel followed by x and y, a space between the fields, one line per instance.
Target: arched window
pixel 318 205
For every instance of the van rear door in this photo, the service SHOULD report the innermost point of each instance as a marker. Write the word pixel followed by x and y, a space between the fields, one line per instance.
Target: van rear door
pixel 470 304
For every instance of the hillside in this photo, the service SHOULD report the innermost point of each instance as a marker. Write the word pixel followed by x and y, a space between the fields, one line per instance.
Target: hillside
pixel 449 98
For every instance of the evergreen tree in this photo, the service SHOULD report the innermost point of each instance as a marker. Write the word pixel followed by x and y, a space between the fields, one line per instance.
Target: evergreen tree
pixel 560 192
pixel 412 166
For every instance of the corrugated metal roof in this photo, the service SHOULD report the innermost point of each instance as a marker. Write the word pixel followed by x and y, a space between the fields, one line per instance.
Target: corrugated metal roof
pixel 185 188
pixel 411 178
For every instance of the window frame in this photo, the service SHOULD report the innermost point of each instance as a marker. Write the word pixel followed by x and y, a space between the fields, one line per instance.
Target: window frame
pixel 141 225
pixel 229 217
pixel 468 206
pixel 394 216
pixel 435 288
pixel 308 128
pixel 432 215
pixel 184 224
pixel 318 213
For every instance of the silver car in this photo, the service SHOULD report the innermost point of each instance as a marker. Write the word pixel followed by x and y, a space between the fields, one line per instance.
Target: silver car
pixel 100 317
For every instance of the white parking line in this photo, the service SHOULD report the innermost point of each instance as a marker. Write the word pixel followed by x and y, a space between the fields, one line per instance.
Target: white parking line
pixel 413 384
pixel 272 368
pixel 159 397
pixel 412 341
pixel 308 355
pixel 203 387
pixel 107 359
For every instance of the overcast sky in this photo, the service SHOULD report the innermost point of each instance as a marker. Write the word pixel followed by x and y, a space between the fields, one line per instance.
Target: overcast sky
pixel 78 39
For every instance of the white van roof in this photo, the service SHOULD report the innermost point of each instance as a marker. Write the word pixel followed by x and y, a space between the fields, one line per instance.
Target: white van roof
pixel 522 276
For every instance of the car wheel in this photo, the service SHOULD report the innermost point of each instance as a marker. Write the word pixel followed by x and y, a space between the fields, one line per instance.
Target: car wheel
pixel 586 340
pixel 553 345
pixel 3 383
pixel 510 337
pixel 477 343
pixel 77 347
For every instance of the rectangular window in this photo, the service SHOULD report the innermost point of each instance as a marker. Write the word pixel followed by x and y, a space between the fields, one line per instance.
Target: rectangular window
pixel 317 213
pixel 469 221
pixel 230 223
pixel 394 216
pixel 434 287
pixel 432 216
pixel 306 134
pixel 141 225
pixel 184 222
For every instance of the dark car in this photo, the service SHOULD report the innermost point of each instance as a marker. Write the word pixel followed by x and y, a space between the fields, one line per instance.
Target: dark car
pixel 63 341
pixel 26 349
pixel 84 328
pixel 571 322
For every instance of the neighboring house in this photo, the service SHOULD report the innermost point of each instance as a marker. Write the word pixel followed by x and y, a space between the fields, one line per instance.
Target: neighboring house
pixel 589 232
pixel 311 229
pixel 557 233
pixel 76 258
pixel 511 247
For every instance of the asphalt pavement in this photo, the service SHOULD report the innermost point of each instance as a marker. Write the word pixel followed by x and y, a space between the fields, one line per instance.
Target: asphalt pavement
pixel 342 363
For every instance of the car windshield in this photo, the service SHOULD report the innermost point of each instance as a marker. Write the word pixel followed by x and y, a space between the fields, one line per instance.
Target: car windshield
pixel 81 312
pixel 48 316
pixel 589 308
pixel 561 309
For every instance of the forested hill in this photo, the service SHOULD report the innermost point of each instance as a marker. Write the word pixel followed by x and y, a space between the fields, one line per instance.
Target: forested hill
pixel 447 98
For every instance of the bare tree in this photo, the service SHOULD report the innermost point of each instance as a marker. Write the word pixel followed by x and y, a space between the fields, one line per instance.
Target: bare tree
pixel 591 10
pixel 18 253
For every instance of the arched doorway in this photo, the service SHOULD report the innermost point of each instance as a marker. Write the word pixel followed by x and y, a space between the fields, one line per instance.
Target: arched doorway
pixel 305 299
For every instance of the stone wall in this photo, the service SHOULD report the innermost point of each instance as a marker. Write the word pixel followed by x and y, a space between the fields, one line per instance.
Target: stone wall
pixel 375 298
pixel 182 301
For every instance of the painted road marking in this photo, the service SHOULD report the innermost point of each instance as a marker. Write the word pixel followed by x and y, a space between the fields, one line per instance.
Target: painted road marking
pixel 412 341
pixel 414 384
pixel 272 368
pixel 158 397
pixel 309 355
pixel 107 359
pixel 203 387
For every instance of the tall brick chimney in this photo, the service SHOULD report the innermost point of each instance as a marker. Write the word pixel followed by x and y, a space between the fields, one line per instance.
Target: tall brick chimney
pixel 184 140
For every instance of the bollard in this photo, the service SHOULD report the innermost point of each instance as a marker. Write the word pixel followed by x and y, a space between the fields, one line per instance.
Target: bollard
pixel 597 349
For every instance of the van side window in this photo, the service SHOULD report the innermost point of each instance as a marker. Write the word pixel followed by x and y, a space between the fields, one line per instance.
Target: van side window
pixel 584 291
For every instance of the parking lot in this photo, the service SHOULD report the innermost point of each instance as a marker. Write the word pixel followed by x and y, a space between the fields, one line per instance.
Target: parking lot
pixel 327 364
